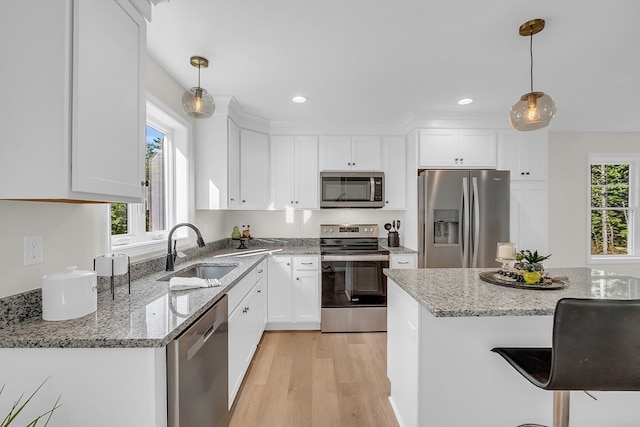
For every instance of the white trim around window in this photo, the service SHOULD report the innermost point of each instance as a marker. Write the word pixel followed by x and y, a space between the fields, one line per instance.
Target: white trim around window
pixel 140 243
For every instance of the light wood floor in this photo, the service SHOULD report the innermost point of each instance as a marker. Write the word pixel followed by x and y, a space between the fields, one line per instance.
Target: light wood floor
pixel 300 379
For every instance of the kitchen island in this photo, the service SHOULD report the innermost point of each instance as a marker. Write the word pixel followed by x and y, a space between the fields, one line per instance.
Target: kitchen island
pixel 442 324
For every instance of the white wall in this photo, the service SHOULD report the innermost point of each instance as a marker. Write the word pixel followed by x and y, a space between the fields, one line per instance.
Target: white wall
pixel 568 203
pixel 71 235
pixel 307 223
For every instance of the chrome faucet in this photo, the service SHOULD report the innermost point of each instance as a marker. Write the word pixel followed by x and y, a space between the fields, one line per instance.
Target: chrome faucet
pixel 171 255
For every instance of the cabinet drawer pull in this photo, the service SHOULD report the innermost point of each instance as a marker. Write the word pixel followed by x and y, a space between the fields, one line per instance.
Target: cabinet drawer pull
pixel 306 263
pixel 403 262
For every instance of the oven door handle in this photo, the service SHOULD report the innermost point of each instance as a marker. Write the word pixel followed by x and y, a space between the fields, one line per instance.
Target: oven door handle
pixel 355 257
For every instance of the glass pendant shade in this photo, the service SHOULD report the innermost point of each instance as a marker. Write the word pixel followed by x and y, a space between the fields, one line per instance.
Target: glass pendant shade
pixel 534 110
pixel 198 103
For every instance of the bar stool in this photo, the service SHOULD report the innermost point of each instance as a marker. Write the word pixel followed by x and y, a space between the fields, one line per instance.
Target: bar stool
pixel 595 346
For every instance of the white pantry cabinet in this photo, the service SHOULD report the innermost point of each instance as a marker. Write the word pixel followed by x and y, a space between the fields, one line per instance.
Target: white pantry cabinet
pixel 394 161
pixel 524 154
pixel 294 172
pixel 457 148
pixel 350 153
pixel 72 123
pixel 529 222
pixel 294 292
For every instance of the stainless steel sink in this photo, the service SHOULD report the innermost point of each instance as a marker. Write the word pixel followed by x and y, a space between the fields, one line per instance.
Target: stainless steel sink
pixel 203 271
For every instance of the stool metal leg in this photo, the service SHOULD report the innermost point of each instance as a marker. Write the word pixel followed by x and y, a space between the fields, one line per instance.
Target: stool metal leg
pixel 561 408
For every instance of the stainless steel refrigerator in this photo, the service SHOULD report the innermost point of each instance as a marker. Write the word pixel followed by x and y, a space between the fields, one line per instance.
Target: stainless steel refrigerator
pixel 462 214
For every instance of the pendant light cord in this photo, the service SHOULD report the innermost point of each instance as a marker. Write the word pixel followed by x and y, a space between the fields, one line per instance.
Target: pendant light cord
pixel 531 56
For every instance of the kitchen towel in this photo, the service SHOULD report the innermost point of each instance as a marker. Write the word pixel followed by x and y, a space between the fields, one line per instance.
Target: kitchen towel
pixel 182 283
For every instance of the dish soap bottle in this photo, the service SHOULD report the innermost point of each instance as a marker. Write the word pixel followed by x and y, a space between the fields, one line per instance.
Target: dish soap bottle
pixel 235 234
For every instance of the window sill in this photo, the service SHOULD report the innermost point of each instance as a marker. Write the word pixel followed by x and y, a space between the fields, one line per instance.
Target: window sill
pixel 613 259
pixel 147 247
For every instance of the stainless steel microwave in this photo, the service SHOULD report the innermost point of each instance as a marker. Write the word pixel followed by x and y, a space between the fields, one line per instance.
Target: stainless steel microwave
pixel 351 189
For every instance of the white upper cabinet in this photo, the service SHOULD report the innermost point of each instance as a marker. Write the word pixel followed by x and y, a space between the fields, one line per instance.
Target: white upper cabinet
pixel 294 172
pixel 254 170
pixel 345 153
pixel 529 222
pixel 457 148
pixel 394 151
pixel 232 165
pixel 72 124
pixel 524 154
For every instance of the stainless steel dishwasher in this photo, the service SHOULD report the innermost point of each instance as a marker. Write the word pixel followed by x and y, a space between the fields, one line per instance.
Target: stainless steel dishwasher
pixel 197 372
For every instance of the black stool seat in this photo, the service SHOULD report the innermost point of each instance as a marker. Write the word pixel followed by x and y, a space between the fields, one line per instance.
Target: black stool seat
pixel 595 346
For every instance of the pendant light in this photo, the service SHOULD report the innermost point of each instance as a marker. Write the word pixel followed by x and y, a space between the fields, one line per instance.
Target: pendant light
pixel 197 102
pixel 534 110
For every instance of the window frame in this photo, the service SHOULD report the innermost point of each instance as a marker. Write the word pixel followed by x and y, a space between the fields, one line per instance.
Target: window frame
pixel 177 161
pixel 633 160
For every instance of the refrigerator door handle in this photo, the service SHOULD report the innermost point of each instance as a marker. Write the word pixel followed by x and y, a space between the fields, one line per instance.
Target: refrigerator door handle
pixel 464 244
pixel 476 221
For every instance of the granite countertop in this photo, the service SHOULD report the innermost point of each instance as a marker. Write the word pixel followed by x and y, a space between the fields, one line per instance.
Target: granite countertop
pixel 459 292
pixel 151 316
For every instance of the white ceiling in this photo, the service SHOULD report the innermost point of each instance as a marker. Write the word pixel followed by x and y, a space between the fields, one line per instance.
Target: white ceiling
pixel 386 62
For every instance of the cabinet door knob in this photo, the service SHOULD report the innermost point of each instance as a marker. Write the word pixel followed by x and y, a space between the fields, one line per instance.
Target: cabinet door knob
pixel 527 173
pixel 521 173
pixel 259 291
pixel 461 160
pixel 353 164
pixel 297 278
pixel 244 201
pixel 233 200
pixel 288 264
pixel 349 164
pixel 296 202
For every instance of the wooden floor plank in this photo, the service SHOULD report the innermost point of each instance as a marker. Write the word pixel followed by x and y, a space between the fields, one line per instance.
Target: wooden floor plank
pixel 307 378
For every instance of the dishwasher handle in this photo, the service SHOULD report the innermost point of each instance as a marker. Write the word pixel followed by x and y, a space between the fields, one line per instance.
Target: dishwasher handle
pixel 202 339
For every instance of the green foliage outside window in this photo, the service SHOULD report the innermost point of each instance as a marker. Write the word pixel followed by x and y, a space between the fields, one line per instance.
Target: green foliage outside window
pixel 609 209
pixel 119 219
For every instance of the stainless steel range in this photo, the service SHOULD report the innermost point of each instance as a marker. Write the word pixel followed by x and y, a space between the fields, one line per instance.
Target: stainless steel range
pixel 354 289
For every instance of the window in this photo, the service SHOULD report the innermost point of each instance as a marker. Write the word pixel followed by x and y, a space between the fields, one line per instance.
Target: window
pixel 142 227
pixel 614 217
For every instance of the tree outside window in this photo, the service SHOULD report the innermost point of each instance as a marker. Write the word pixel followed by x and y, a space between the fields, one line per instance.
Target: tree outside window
pixel 155 180
pixel 610 209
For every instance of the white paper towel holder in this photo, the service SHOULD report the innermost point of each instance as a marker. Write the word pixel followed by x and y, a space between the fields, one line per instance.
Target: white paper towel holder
pixel 112 271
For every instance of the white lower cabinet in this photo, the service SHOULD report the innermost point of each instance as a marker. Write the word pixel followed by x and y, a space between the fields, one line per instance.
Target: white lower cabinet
pixel 294 292
pixel 403 260
pixel 261 298
pixel 246 320
pixel 101 387
pixel 403 368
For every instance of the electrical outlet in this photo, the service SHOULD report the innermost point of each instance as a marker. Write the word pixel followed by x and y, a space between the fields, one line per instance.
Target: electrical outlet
pixel 32 249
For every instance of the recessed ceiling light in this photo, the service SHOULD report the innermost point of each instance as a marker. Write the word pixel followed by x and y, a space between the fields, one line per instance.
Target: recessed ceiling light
pixel 299 99
pixel 465 101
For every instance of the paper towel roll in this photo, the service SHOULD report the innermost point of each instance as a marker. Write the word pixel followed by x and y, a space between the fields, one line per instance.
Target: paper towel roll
pixel 111 264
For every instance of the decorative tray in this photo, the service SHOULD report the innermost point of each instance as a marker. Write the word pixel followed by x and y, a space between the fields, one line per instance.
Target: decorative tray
pixel 497 279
